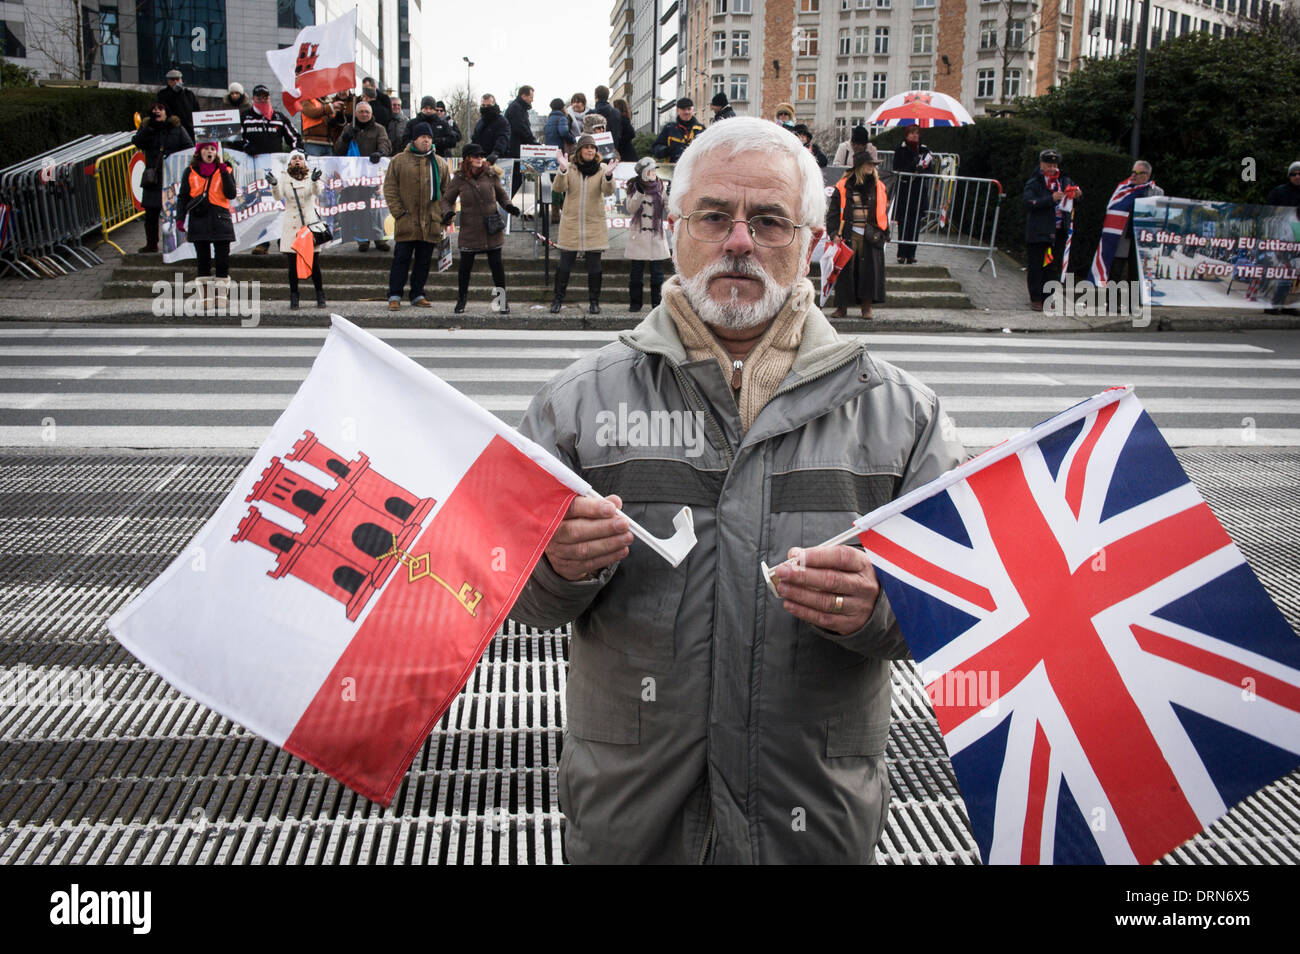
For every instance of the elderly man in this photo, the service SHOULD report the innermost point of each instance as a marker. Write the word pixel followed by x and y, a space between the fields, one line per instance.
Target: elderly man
pixel 180 101
pixel 1048 199
pixel 1116 257
pixel 708 721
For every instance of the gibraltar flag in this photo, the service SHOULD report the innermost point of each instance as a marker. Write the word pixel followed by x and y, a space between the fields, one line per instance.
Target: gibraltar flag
pixel 322 60
pixel 340 597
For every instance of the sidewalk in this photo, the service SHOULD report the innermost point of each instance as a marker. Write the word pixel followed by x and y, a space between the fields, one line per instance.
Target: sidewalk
pixel 1000 302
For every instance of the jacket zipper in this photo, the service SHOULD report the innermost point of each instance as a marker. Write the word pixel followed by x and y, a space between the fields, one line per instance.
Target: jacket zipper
pixel 737 367
pixel 708 838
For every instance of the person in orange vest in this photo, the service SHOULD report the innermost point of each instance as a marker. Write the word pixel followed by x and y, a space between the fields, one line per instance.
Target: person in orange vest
pixel 204 205
pixel 858 213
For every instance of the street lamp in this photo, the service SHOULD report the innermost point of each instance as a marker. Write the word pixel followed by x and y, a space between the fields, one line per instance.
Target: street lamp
pixel 469 95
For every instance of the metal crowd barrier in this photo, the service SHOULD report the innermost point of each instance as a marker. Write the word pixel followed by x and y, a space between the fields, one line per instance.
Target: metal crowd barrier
pixel 951 211
pixel 52 203
pixel 116 198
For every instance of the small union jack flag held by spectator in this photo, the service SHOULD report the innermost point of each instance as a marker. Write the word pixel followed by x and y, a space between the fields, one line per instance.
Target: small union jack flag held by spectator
pixel 1109 675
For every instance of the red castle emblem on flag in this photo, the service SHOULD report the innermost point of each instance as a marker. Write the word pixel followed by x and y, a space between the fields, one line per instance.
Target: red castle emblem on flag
pixel 354 534
pixel 306 58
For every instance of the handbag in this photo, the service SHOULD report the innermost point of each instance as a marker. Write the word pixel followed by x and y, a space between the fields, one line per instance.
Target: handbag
pixel 149 177
pixel 494 223
pixel 320 232
pixel 875 236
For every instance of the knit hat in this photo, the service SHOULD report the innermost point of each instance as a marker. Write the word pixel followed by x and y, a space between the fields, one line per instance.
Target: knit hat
pixel 645 163
pixel 784 108
pixel 686 103
pixel 235 88
pixel 440 105
pixel 859 134
pixel 586 140
pixel 421 129
pixel 296 154
pixel 428 102
pixel 471 149
pixel 719 100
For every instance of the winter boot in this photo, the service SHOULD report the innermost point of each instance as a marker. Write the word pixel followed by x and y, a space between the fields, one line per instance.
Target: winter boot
pixel 561 286
pixel 593 292
pixel 222 294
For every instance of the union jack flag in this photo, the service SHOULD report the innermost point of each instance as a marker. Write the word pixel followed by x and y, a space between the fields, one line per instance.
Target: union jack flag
pixel 1118 210
pixel 1109 675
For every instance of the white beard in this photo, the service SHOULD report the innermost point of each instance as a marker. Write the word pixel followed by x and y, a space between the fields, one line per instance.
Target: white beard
pixel 733 314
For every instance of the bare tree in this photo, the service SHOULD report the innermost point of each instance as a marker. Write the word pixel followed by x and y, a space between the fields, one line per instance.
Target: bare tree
pixel 65 39
pixel 462 107
pixel 1018 24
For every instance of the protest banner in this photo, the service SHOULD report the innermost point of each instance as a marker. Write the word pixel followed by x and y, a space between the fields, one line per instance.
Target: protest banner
pixel 218 124
pixel 351 201
pixel 1194 253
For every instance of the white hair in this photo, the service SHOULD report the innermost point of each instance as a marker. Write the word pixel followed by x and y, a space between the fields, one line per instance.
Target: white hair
pixel 728 139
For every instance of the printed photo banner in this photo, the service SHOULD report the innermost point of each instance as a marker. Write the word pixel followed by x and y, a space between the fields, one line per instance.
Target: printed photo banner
pixel 1199 254
pixel 351 200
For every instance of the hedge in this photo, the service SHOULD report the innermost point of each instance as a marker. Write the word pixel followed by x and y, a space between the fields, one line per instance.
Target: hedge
pixel 1007 150
pixel 39 119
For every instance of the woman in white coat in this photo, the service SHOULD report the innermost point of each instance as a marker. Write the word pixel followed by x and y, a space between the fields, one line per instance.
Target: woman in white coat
pixel 647 234
pixel 298 193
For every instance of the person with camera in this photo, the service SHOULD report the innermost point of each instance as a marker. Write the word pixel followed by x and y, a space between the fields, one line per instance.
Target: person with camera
pixel 482 228
pixel 157 138
pixel 586 181
pixel 298 193
pixel 204 205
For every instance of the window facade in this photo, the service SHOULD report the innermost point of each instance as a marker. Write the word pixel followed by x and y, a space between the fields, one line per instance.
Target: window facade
pixel 860 38
pixel 808 42
pixel 841 86
pixel 882 40
pixel 719 84
pixel 923 38
pixel 988 34
pixel 742 6
pixel 860 85
pixel 806 86
pixel 719 45
pixel 920 79
pixel 1011 84
pixel 740 43
pixel 879 85
pixel 845 44
pixel 985 84
pixel 810 6
pixel 739 88
pixel 1016 34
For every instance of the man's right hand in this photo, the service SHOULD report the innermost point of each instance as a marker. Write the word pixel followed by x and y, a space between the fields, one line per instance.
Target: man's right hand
pixel 592 536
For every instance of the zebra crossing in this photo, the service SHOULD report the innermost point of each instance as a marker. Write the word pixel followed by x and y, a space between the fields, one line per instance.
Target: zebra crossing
pixel 158 387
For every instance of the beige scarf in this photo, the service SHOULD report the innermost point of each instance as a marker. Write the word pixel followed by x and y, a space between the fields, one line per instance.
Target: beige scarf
pixel 767 363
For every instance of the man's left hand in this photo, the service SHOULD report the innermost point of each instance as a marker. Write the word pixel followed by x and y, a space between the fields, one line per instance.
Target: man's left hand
pixel 828 574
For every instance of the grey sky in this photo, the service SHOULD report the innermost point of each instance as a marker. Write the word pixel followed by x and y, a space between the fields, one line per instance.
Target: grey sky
pixel 557 49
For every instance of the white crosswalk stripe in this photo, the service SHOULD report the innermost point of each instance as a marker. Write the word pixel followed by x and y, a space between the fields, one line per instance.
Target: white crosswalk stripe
pixel 101 386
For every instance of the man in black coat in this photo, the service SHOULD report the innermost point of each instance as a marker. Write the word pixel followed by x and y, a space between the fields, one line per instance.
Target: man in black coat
pixel 157 138
pixel 180 102
pixel 721 108
pixel 266 130
pixel 492 131
pixel 379 102
pixel 1046 223
pixel 613 121
pixel 1288 193
pixel 676 136
pixel 913 199
pixel 521 133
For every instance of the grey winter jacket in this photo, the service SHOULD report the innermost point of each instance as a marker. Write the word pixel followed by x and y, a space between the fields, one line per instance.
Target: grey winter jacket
pixel 704 722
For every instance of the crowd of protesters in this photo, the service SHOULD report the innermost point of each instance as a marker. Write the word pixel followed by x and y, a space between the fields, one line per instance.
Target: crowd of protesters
pixel 424 196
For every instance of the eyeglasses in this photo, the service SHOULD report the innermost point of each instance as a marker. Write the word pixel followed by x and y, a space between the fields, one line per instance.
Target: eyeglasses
pixel 1139 172
pixel 769 231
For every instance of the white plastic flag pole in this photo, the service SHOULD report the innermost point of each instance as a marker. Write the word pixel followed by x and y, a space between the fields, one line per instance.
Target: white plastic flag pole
pixel 674 548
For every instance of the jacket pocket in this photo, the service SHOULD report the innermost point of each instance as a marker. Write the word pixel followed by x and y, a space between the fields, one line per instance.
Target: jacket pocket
pixel 636 612
pixel 856 734
pixel 601 716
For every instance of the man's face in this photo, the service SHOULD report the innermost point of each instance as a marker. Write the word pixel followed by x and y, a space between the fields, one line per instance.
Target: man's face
pixel 858 147
pixel 487 101
pixel 159 113
pixel 396 104
pixel 684 113
pixel 441 113
pixel 1049 168
pixel 747 282
pixel 527 98
pixel 172 80
pixel 424 143
pixel 363 113
pixel 261 97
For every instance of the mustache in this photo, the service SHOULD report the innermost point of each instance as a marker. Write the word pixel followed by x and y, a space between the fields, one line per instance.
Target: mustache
pixel 732 264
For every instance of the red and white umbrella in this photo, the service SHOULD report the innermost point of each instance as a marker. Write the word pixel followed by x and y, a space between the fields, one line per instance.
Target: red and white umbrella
pixel 917 108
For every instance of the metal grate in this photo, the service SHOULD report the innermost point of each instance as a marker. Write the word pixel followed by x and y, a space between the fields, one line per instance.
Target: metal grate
pixel 146 775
